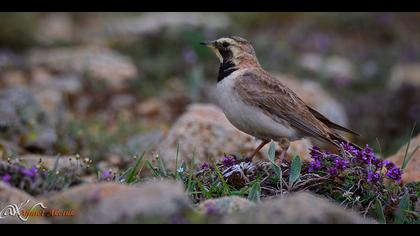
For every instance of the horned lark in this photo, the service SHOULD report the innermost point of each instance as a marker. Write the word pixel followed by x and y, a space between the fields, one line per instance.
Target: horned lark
pixel 261 105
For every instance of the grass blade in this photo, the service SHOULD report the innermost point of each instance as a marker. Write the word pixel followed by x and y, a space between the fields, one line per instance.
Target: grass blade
pixel 406 160
pixel 161 166
pixel 202 188
pixel 226 190
pixel 176 160
pixel 152 168
pixel 135 170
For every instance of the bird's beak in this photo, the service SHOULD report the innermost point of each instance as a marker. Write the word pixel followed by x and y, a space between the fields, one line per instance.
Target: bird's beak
pixel 213 47
pixel 208 44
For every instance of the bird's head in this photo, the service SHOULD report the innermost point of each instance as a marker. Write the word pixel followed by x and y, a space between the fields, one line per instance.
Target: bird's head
pixel 233 49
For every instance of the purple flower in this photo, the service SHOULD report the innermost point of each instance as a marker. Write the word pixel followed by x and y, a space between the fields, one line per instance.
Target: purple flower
pixel 350 148
pixel 388 164
pixel 314 165
pixel 373 177
pixel 377 162
pixel 315 153
pixel 229 161
pixel 30 172
pixel 106 175
pixel 394 174
pixel 205 166
pixel 340 163
pixel 366 155
pixel 332 171
pixel 6 178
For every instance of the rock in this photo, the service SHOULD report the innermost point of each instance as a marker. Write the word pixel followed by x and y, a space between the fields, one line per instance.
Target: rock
pixel 10 195
pixel 315 96
pixel 68 84
pixel 102 203
pixel 204 133
pixel 24 121
pixel 337 69
pixel 13 78
pixel 144 142
pixel 412 171
pixel 52 92
pixel 149 23
pixel 405 74
pixel 120 101
pixel 297 208
pixel 151 107
pixel 10 59
pixel 312 62
pixel 97 62
pixel 165 109
pixel 56 27
pixel 224 205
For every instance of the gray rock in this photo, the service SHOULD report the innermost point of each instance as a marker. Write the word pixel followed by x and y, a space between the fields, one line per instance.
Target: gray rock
pixel 10 195
pixel 23 120
pixel 224 205
pixel 144 142
pixel 96 62
pixel 149 23
pixel 151 202
pixel 297 208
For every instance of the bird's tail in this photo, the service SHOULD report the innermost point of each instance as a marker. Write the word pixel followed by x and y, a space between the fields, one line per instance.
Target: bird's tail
pixel 338 140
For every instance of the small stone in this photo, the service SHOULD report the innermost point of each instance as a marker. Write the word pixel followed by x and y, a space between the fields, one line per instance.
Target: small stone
pixel 405 74
pixel 296 208
pixel 10 195
pixel 104 203
pixel 97 62
pixel 224 205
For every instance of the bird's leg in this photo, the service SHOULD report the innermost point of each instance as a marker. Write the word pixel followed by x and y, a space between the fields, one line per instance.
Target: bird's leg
pixel 284 144
pixel 262 144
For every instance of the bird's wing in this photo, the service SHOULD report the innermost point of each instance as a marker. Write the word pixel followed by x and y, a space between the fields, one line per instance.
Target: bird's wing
pixel 329 123
pixel 259 89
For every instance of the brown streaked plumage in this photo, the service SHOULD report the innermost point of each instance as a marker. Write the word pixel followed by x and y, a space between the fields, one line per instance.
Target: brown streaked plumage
pixel 260 104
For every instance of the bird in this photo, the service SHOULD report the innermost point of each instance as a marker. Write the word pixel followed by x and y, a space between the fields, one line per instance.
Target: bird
pixel 260 105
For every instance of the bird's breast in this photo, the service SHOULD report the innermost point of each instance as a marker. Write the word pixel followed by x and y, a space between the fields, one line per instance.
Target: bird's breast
pixel 247 118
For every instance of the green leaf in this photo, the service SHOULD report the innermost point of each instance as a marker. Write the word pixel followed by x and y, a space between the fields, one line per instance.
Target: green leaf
pixel 272 152
pixel 255 192
pixel 403 208
pixel 295 169
pixel 379 212
pixel 277 170
pixel 271 157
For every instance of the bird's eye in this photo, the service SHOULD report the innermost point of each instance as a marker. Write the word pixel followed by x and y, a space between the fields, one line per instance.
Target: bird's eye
pixel 225 44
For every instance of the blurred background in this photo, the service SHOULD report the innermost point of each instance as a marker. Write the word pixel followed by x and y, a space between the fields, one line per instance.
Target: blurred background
pixel 107 85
